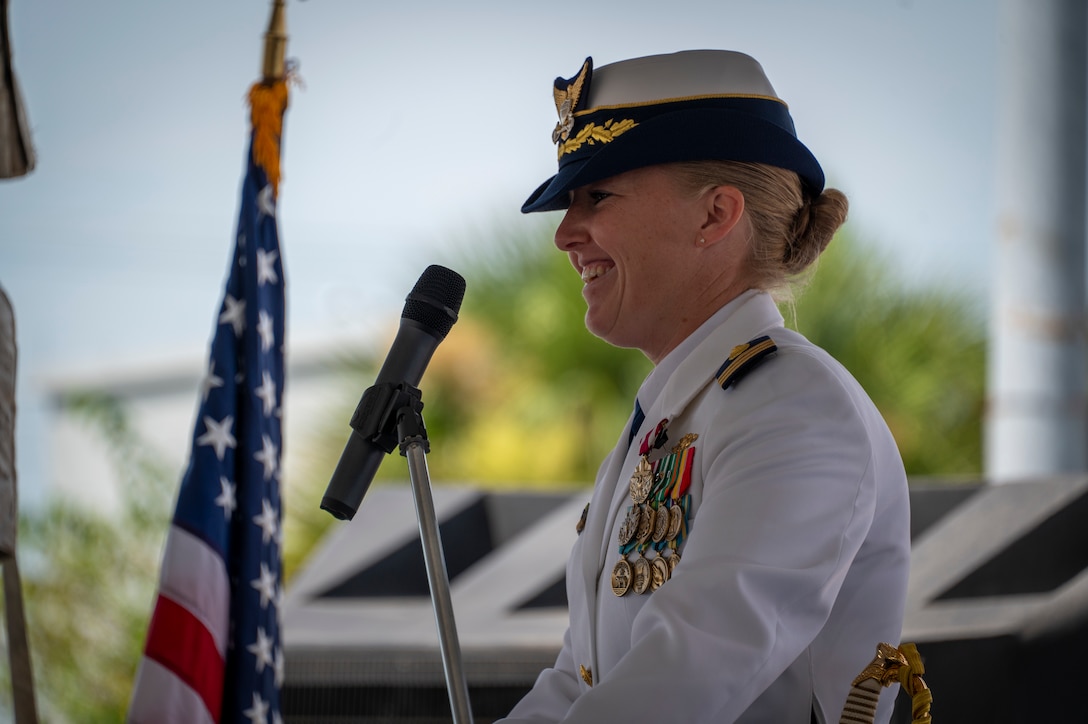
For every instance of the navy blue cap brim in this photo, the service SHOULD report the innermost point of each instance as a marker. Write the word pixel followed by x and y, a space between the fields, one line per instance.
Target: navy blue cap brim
pixel 704 134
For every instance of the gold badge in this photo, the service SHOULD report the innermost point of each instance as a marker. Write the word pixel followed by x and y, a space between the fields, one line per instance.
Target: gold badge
pixel 566 102
pixel 685 442
pixel 642 481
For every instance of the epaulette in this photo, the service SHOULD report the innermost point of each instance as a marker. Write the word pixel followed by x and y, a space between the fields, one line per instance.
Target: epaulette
pixel 743 359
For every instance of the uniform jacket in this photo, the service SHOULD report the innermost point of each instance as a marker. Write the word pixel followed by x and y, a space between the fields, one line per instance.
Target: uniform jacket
pixel 795 562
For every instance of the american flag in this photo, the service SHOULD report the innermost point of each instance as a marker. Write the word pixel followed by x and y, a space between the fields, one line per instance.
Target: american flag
pixel 213 651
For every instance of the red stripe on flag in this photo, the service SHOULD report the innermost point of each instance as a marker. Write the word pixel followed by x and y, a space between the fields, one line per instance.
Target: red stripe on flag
pixel 181 643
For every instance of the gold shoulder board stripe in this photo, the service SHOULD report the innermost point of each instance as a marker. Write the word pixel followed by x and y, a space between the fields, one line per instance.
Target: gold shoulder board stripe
pixel 743 359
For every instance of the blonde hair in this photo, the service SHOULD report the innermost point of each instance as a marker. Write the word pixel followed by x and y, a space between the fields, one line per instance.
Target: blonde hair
pixel 789 229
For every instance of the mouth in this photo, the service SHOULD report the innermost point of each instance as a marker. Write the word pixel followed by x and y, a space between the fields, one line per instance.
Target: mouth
pixel 594 270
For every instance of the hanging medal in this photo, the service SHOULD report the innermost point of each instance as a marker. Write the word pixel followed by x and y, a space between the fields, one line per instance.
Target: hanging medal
pixel 673 560
pixel 621 577
pixel 643 574
pixel 629 527
pixel 660 572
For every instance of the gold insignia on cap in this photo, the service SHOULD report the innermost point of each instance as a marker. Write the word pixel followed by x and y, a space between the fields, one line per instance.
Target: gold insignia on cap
pixel 592 133
pixel 566 101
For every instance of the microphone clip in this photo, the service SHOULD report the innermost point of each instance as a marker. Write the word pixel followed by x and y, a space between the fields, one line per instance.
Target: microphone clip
pixel 386 407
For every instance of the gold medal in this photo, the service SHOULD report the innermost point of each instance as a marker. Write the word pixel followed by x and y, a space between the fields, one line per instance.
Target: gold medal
pixel 662 518
pixel 641 575
pixel 676 520
pixel 642 481
pixel 621 577
pixel 629 526
pixel 659 574
pixel 645 523
pixel 673 561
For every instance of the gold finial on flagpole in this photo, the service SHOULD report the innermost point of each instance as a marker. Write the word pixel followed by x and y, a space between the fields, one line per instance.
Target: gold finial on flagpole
pixel 275 43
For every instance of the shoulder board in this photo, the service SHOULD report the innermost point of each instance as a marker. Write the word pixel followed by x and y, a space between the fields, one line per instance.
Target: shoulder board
pixel 743 359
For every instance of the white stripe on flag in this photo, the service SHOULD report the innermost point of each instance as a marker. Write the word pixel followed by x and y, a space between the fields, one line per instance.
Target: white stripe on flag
pixel 194 575
pixel 162 698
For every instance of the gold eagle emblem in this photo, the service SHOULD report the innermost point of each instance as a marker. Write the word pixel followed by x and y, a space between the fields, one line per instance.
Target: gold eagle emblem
pixel 566 101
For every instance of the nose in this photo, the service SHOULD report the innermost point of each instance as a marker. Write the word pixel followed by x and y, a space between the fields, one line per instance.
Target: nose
pixel 571 231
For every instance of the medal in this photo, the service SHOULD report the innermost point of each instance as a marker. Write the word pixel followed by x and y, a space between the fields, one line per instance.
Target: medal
pixel 660 573
pixel 662 520
pixel 672 561
pixel 676 519
pixel 629 526
pixel 645 523
pixel 621 577
pixel 642 481
pixel 641 575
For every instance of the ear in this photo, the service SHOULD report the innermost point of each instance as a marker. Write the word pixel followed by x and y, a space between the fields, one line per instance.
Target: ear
pixel 724 206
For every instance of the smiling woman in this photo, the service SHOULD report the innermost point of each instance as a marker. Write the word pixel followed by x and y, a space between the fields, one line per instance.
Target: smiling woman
pixel 636 238
pixel 746 544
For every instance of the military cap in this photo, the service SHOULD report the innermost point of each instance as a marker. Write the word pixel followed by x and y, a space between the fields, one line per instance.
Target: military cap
pixel 695 105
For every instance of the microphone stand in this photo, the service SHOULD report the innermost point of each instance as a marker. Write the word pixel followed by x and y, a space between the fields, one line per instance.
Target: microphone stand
pixel 414 446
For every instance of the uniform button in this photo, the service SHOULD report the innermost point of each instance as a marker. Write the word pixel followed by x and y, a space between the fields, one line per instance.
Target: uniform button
pixel 587 674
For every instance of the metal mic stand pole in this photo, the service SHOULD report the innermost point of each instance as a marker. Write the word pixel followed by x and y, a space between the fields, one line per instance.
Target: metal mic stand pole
pixel 415 446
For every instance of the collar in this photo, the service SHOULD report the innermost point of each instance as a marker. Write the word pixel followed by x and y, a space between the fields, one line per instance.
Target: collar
pixel 691 365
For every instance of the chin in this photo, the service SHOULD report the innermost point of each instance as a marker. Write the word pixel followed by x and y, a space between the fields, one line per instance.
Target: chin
pixel 610 333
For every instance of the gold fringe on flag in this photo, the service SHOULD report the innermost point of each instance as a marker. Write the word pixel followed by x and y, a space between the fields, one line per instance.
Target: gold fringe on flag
pixel 268 99
pixel 267 103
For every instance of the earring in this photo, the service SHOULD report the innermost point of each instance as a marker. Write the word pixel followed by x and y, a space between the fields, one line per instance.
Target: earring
pixel 701 242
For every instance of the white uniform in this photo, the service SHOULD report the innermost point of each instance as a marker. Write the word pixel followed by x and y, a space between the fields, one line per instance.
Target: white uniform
pixel 796 561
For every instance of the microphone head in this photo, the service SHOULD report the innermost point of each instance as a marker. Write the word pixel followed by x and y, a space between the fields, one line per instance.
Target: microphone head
pixel 435 300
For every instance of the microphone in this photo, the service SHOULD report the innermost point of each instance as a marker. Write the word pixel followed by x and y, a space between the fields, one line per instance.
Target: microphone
pixel 429 312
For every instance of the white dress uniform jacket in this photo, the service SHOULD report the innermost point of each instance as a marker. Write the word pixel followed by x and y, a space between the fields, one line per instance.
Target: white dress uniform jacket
pixel 796 561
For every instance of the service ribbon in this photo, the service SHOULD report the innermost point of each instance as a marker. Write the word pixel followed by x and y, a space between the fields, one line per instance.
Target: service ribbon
pixel 687 463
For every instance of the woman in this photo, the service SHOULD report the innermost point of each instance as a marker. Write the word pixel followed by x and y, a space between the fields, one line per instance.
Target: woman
pixel 746 545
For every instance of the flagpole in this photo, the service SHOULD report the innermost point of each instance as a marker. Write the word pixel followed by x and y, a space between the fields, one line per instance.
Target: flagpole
pixel 275 43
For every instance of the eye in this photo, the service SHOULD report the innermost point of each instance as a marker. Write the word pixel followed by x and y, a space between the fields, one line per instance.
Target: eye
pixel 598 196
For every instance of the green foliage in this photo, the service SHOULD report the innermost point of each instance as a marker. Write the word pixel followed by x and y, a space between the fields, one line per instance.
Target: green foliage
pixel 89 579
pixel 918 352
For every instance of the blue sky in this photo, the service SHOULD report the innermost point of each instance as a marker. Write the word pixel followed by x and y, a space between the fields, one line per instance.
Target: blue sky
pixel 421 128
